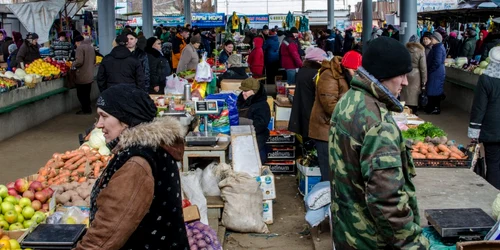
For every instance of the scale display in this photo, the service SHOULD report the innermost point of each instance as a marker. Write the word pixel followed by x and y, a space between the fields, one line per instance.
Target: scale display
pixel 206 107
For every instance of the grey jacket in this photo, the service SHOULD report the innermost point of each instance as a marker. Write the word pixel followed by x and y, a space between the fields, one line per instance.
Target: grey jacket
pixel 189 59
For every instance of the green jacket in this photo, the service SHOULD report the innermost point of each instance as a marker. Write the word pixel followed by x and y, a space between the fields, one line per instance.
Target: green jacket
pixel 469 47
pixel 164 37
pixel 373 198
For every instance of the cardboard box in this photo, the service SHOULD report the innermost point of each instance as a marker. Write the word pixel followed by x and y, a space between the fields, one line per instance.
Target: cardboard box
pixel 282 167
pixel 270 102
pixel 230 84
pixel 267 211
pixel 308 178
pixel 280 125
pixel 283 113
pixel 267 183
pixel 191 213
pixel 16 235
pixel 281 152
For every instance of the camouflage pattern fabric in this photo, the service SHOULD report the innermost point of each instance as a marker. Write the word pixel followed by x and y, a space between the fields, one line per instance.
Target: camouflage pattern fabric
pixel 373 198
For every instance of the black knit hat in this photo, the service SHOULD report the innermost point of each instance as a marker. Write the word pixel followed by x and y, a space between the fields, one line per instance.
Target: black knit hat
pixel 386 58
pixel 294 30
pixel 121 40
pixel 79 38
pixel 127 103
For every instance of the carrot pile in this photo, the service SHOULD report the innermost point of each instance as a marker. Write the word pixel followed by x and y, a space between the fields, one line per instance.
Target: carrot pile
pixel 423 150
pixel 77 165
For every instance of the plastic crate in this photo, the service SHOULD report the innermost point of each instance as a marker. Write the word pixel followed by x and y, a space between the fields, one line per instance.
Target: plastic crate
pixel 435 163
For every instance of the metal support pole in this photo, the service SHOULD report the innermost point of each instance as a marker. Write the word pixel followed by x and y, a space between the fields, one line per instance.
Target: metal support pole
pixel 147 18
pixel 187 11
pixel 408 17
pixel 107 27
pixel 367 22
pixel 331 13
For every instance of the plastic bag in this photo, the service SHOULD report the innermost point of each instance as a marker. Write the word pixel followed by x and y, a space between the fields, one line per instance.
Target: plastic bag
pixel 199 89
pixel 201 236
pixel 209 181
pixel 220 122
pixel 175 85
pixel 315 217
pixel 74 215
pixel 191 186
pixel 319 196
pixel 243 210
pixel 203 70
pixel 229 99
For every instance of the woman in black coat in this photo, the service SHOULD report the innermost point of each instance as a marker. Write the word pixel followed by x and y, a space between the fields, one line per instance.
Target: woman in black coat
pixel 305 92
pixel 159 67
pixel 253 109
pixel 485 118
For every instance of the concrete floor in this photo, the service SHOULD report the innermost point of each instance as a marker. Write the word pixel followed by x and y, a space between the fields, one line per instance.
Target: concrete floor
pixel 25 153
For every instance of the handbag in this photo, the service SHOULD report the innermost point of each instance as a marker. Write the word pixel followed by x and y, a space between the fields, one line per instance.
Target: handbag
pixel 70 82
pixel 423 100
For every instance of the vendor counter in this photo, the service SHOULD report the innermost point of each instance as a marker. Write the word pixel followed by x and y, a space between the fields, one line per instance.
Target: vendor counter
pixel 439 188
pixel 23 108
pixel 459 87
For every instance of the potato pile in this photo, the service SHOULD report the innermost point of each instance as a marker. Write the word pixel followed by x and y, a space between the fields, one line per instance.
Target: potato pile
pixel 74 193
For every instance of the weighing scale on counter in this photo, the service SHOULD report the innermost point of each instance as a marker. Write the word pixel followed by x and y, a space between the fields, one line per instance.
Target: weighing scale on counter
pixel 462 224
pixel 54 236
pixel 203 138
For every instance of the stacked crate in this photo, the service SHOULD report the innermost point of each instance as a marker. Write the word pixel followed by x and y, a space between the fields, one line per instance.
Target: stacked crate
pixel 281 152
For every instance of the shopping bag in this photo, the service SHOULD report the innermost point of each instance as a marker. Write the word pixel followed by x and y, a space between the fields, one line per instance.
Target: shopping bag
pixel 199 89
pixel 230 100
pixel 203 70
pixel 175 85
pixel 423 100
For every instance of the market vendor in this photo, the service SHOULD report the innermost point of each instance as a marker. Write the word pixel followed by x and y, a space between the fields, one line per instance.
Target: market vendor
pixel 226 51
pixel 136 202
pixel 29 51
pixel 253 109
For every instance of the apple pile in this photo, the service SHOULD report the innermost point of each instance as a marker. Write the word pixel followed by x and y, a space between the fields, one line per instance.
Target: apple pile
pixel 23 203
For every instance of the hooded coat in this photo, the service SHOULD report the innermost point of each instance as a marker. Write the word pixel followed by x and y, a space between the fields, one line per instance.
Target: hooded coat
pixel 374 205
pixel 417 77
pixel 159 69
pixel 469 47
pixel 271 49
pixel 331 86
pixel 256 58
pixel 120 67
pixel 145 170
pixel 480 43
pixel 454 47
pixel 290 56
pixel 303 100
pixel 330 43
pixel 435 70
pixel 143 59
pixel 348 41
pixel 189 59
pixel 84 62
pixel 256 109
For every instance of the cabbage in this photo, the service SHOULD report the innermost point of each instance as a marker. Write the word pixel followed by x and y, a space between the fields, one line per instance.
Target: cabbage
pixel 9 74
pixel 483 64
pixel 21 73
pixel 97 139
pixel 104 150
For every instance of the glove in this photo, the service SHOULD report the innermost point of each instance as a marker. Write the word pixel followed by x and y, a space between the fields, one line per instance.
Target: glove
pixel 245 121
pixel 474 130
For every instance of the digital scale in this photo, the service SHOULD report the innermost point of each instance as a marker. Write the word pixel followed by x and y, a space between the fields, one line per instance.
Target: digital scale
pixel 203 138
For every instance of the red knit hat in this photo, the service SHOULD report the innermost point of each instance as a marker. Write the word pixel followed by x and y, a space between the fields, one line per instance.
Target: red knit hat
pixel 351 60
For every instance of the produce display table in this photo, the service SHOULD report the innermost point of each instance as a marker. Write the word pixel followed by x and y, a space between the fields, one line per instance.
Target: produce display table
pixel 439 188
pixel 459 87
pixel 23 95
pixel 218 151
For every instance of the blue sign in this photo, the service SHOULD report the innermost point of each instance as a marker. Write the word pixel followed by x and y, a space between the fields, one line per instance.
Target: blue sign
pixel 207 20
pixel 260 19
pixel 169 21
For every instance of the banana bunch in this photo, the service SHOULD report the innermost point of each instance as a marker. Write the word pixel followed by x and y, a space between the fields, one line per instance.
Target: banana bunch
pixel 235 21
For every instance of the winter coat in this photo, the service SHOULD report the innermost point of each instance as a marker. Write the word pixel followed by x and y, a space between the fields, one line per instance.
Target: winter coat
pixel 120 67
pixel 303 100
pixel 290 57
pixel 271 50
pixel 165 37
pixel 28 53
pixel 150 216
pixel 435 70
pixel 427 49
pixel 141 42
pixel 491 41
pixel 143 58
pixel 417 77
pixel 348 41
pixel 454 47
pixel 159 69
pixel 484 113
pixel 256 58
pixel 205 41
pixel 189 59
pixel 11 60
pixel 330 43
pixel 321 42
pixel 178 45
pixel 331 86
pixel 84 63
pixel 468 48
pixel 373 196
pixel 256 109
pixel 61 50
pixel 339 43
pixel 223 56
pixel 5 48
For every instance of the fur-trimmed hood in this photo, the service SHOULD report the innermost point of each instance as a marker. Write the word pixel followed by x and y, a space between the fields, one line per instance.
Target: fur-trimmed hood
pixel 165 132
pixel 414 47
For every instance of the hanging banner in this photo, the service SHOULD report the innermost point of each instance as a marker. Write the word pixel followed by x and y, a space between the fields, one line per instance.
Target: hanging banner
pixel 432 5
pixel 169 21
pixel 208 20
pixel 258 19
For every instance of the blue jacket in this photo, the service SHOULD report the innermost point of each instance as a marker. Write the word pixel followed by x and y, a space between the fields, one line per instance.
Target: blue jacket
pixel 435 70
pixel 223 56
pixel 271 49
pixel 330 43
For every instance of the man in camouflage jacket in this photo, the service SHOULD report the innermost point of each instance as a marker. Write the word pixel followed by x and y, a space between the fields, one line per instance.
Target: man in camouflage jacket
pixel 373 198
